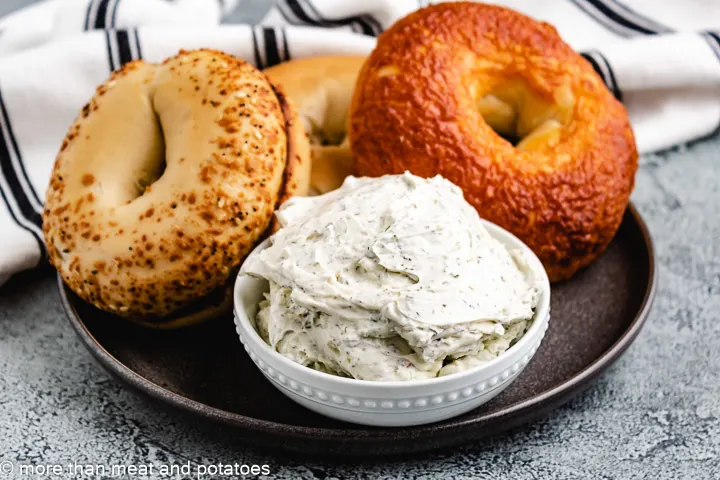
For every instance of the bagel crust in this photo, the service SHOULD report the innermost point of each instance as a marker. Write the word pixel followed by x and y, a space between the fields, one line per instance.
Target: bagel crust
pixel 419 105
pixel 166 180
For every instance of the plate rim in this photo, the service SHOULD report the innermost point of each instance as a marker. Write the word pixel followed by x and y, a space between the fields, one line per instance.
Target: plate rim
pixel 538 405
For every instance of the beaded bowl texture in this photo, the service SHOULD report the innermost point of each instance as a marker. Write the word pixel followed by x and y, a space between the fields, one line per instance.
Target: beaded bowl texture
pixel 398 403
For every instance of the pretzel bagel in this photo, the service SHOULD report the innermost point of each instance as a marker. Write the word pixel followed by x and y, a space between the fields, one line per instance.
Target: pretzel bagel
pixel 166 180
pixel 447 83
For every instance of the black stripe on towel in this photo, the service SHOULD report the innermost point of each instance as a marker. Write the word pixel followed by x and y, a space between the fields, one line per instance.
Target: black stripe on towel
pixel 298 11
pixel 113 15
pixel 365 24
pixel 19 205
pixel 88 13
pixel 272 50
pixel 269 46
pixel 370 25
pixel 119 48
pixel 610 19
pixel 602 67
pixel 595 65
pixel 137 44
pixel 287 13
pixel 632 15
pixel 123 46
pixel 28 191
pixel 13 142
pixel 623 20
pixel 100 14
pixel 109 38
pixel 714 40
pixel 306 13
pixel 614 87
pixel 285 48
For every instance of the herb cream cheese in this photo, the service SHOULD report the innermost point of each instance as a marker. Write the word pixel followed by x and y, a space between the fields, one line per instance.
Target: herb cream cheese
pixel 390 278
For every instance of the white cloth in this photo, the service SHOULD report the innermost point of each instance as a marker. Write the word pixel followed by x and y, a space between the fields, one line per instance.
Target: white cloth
pixel 661 58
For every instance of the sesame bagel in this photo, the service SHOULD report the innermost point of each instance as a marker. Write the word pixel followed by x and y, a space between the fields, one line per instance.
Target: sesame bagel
pixel 497 103
pixel 166 180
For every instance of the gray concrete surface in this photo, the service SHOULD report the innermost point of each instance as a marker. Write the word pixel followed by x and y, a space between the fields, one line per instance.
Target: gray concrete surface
pixel 654 414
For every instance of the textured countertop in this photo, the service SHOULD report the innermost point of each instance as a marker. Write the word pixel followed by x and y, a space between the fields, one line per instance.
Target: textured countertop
pixel 654 414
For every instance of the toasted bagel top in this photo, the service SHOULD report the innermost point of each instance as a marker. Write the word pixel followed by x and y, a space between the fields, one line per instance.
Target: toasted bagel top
pixel 166 180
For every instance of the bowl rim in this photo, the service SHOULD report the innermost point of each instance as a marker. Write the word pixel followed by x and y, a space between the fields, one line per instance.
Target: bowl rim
pixel 537 327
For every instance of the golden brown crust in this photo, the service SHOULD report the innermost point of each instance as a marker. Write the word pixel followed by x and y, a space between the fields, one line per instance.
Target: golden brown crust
pixel 148 253
pixel 414 109
pixel 296 180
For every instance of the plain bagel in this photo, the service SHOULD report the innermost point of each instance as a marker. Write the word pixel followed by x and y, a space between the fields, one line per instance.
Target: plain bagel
pixel 444 83
pixel 166 180
pixel 321 89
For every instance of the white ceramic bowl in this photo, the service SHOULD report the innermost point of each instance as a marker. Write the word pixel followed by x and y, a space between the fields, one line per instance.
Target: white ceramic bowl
pixel 398 403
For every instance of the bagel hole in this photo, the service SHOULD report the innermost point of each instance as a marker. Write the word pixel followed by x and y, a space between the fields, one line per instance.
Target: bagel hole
pixel 153 167
pixel 512 139
pixel 324 137
pixel 524 118
pixel 330 148
pixel 331 140
pixel 149 177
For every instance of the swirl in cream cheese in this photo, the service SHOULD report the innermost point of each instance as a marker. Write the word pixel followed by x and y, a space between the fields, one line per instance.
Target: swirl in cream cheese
pixel 390 278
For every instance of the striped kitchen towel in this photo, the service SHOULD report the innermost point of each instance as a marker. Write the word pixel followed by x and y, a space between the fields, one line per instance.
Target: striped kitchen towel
pixel 662 59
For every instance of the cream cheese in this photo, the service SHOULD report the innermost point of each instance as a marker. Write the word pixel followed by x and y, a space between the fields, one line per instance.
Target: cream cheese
pixel 390 278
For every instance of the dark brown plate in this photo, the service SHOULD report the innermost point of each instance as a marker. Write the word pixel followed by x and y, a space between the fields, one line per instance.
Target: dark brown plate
pixel 204 370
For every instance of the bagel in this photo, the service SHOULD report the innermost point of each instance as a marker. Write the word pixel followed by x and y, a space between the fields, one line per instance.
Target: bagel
pixel 321 89
pixel 447 82
pixel 166 180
